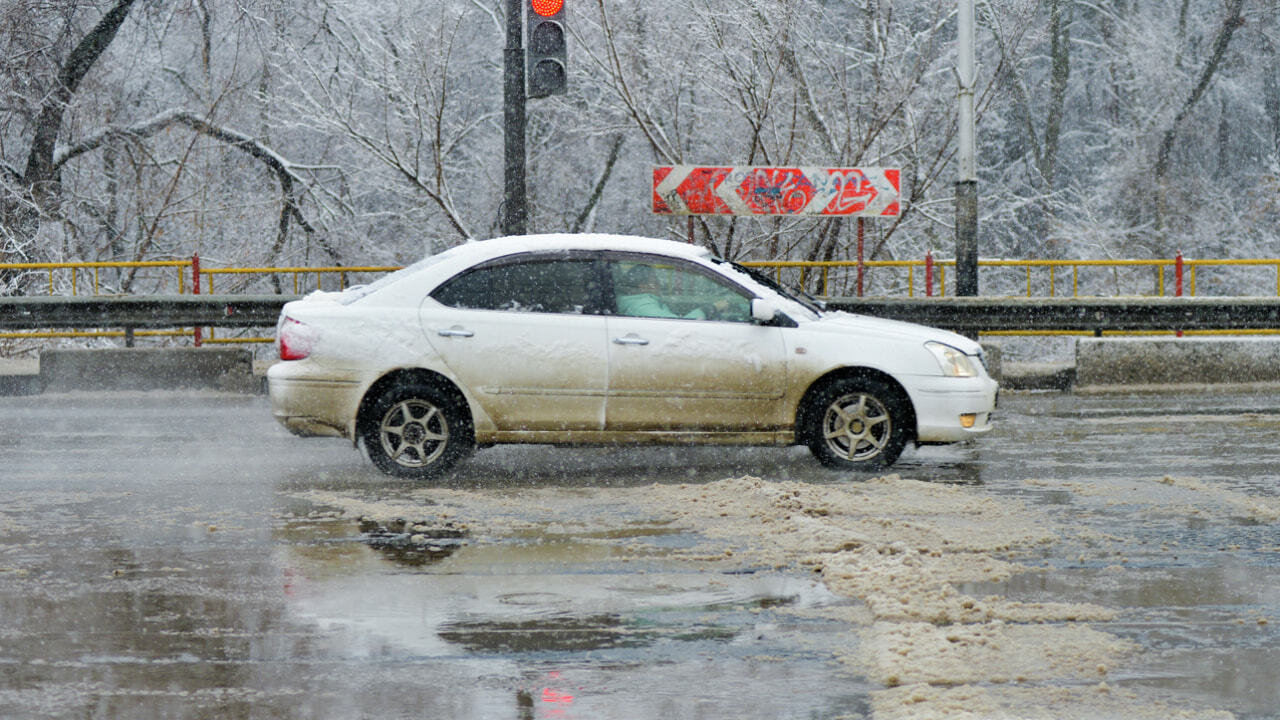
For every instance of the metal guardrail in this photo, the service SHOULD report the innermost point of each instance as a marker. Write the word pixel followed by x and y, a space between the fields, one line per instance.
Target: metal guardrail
pixel 1094 316
pixel 140 315
pixel 73 273
pixel 67 278
pixel 298 275
pixel 61 316
pixel 1177 276
pixel 962 314
pixel 142 311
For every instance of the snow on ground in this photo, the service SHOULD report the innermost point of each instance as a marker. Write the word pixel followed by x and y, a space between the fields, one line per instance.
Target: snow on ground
pixel 901 548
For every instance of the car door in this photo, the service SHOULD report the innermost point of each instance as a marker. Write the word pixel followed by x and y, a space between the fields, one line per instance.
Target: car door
pixel 684 354
pixel 525 337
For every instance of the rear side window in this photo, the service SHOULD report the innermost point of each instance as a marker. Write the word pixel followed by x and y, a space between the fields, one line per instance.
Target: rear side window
pixel 544 286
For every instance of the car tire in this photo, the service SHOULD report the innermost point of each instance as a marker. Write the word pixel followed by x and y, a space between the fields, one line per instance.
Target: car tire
pixel 416 431
pixel 856 423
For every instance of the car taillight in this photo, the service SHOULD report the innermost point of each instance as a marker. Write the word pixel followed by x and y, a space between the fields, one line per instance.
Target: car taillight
pixel 294 340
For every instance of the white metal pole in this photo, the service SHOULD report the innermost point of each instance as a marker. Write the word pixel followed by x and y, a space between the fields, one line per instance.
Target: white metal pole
pixel 966 76
pixel 966 167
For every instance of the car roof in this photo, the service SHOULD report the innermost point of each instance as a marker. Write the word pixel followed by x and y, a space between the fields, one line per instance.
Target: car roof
pixel 479 250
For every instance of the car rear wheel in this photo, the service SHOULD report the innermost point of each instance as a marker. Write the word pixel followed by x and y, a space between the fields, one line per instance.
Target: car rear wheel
pixel 856 424
pixel 416 431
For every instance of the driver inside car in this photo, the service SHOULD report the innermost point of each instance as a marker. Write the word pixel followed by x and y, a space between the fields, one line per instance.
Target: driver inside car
pixel 638 297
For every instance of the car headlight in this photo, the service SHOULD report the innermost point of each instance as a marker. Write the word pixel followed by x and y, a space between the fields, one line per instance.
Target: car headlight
pixel 952 361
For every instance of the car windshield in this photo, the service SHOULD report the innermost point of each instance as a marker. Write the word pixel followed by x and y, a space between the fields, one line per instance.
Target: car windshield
pixel 803 298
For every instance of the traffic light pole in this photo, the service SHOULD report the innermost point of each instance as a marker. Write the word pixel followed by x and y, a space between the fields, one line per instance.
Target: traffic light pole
pixel 515 209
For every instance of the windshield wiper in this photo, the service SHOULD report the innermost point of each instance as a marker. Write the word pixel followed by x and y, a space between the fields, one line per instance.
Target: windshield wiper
pixel 800 296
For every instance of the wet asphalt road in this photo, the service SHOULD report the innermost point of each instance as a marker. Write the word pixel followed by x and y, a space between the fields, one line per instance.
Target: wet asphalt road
pixel 156 562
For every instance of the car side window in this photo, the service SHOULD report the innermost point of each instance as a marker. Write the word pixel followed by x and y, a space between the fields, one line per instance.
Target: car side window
pixel 657 288
pixel 543 286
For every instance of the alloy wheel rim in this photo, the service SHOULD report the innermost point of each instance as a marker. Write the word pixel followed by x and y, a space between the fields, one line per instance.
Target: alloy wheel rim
pixel 856 426
pixel 414 433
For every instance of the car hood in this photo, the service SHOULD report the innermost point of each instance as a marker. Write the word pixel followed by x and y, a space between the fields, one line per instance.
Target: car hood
pixel 843 322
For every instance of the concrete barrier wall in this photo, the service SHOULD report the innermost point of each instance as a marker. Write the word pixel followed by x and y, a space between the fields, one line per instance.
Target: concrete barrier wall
pixel 1177 361
pixel 224 369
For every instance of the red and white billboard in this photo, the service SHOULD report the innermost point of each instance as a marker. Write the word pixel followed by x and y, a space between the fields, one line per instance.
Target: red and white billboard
pixel 755 190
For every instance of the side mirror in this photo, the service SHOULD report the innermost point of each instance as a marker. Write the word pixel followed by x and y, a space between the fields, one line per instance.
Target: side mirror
pixel 762 311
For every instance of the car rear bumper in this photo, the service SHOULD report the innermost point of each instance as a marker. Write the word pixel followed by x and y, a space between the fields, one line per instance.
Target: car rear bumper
pixel 310 405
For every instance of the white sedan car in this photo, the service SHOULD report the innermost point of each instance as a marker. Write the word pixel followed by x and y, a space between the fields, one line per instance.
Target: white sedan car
pixel 599 339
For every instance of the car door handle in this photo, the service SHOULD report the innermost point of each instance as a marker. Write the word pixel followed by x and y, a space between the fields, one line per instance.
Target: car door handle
pixel 454 332
pixel 630 340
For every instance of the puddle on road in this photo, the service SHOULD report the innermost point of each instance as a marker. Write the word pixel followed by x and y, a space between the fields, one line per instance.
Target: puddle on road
pixel 627 628
pixel 532 578
pixel 871 587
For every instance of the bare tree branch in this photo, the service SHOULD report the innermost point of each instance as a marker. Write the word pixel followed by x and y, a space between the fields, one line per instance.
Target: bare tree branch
pixel 278 165
pixel 40 164
pixel 590 207
pixel 1232 21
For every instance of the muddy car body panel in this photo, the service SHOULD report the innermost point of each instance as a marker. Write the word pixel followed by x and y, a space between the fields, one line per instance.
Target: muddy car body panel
pixel 589 339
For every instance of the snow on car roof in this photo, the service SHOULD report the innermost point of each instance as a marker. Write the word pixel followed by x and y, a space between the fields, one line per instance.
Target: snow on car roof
pixel 476 250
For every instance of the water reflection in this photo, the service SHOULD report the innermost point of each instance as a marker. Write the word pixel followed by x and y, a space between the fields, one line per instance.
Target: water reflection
pixel 555 634
pixel 526 596
pixel 403 551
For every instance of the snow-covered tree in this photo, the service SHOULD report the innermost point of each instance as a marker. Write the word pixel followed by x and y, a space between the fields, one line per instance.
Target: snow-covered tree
pixel 264 132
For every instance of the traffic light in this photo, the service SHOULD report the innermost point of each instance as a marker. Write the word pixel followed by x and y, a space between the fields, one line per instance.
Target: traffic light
pixel 545 51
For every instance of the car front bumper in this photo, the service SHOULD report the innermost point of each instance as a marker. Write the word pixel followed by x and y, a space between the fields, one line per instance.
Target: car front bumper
pixel 941 401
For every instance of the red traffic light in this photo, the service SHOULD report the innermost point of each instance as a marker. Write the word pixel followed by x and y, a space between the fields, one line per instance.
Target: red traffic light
pixel 547 8
pixel 545 53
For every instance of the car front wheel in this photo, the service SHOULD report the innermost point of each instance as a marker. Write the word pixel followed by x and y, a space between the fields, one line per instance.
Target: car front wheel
pixel 856 424
pixel 415 431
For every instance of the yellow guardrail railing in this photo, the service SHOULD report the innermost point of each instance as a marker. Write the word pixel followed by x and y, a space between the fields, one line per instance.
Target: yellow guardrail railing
pixel 1180 273
pixel 186 276
pixel 298 274
pixel 1035 278
pixel 73 272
